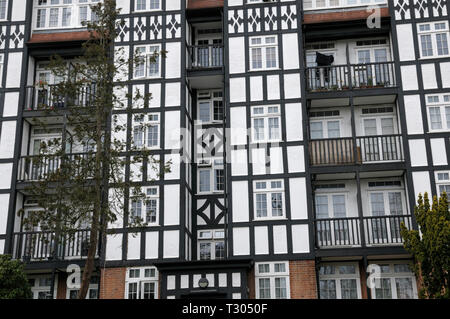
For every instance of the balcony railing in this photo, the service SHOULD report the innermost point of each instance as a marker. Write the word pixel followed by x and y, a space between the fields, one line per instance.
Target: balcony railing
pixel 205 56
pixel 369 149
pixel 45 98
pixel 46 245
pixel 379 230
pixel 353 76
pixel 39 167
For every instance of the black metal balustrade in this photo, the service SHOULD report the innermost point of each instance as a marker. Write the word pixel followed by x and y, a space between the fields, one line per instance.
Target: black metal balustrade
pixel 46 245
pixel 39 167
pixel 369 149
pixel 384 229
pixel 205 56
pixel 346 232
pixel 47 97
pixel 352 76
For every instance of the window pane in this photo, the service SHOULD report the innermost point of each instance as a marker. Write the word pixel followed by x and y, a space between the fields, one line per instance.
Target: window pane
pixel 204 112
pixel 447 116
pixel 395 203
pixel 316 130
pixel 132 290
pixel 219 180
pixel 404 288
pixel 256 58
pixel 370 127
pixel 152 136
pixel 205 181
pixel 348 289
pixel 261 205
pixel 258 127
pixel 151 211
pixel 218 111
pixel 148 290
pixel 339 206
pixel 327 289
pixel 333 129
pixel 387 126
pixel 427 49
pixel 205 251
pixel 271 58
pixel 264 288
pixel 277 204
pixel 220 250
pixel 377 204
pixel 384 292
pixel 280 288
pixel 274 128
pixel 321 206
pixel 442 44
pixel 435 118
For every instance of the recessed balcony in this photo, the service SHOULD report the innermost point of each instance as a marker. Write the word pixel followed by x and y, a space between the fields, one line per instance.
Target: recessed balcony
pixel 47 245
pixel 361 150
pixel 346 232
pixel 40 167
pixel 353 76
pixel 48 98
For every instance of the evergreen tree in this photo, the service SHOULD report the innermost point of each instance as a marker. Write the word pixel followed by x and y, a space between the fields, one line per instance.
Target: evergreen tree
pixel 430 246
pixel 13 281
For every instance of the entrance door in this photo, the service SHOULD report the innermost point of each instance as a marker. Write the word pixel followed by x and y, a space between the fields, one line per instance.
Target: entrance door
pixel 209 53
pixel 379 144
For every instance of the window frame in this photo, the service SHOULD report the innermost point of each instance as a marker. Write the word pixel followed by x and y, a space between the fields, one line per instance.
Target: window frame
pixel 212 239
pixel 211 166
pixel 262 46
pixel 140 281
pixel 325 120
pixel 75 7
pixel 272 275
pixel 386 190
pixel 433 32
pixel 442 182
pixel 392 275
pixel 442 104
pixel 147 65
pixel 211 99
pixel 265 116
pixel 37 288
pixel 329 195
pixel 143 125
pixel 147 5
pixel 269 191
pixel 337 277
pixel 144 205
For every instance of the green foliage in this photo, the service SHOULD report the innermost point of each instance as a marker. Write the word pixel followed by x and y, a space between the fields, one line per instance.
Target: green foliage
pixel 87 190
pixel 13 281
pixel 430 246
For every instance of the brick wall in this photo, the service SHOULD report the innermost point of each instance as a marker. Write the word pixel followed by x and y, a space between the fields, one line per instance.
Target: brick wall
pixel 302 277
pixel 62 287
pixel 341 16
pixel 201 4
pixel 251 283
pixel 112 283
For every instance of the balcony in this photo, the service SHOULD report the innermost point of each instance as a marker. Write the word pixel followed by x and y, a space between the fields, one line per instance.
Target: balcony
pixel 47 98
pixel 367 149
pixel 350 231
pixel 46 245
pixel 351 76
pixel 39 167
pixel 205 56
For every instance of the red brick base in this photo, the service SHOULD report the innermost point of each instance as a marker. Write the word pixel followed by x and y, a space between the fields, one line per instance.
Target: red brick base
pixel 302 277
pixel 112 283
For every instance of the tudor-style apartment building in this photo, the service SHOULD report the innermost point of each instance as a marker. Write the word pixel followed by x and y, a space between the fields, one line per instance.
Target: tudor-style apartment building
pixel 300 133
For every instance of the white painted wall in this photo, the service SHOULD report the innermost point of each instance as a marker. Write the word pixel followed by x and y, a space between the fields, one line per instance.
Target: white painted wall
pixel 114 247
pixel 240 201
pixel 4 205
pixel 241 241
pixel 172 205
pixel 171 244
pixel 151 245
pixel 173 59
pixel 297 196
pixel 261 240
pixel 294 128
pixel 134 246
pixel 7 140
pixel 413 114
pixel 438 151
pixel 279 239
pixel 418 153
pixel 300 239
